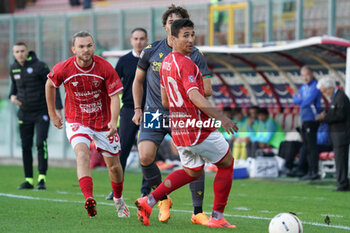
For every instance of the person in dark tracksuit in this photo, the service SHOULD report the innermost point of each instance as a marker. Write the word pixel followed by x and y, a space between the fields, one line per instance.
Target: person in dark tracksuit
pixel 309 100
pixel 28 76
pixel 337 116
pixel 126 68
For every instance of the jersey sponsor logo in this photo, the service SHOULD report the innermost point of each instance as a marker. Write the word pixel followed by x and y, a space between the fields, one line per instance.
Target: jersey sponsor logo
pixel 16 71
pixel 91 108
pixel 17 76
pixel 30 70
pixel 75 127
pixel 156 65
pixel 161 55
pixel 87 94
pixel 191 79
pixel 151 120
pixel 75 83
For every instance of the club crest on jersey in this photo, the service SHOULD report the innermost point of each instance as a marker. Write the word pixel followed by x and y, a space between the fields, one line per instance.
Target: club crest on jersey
pixel 74 127
pixel 191 79
pixel 75 83
pixel 96 83
pixel 161 55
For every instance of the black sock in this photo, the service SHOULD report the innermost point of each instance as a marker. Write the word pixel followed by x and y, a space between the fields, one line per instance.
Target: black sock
pixel 197 210
pixel 197 191
pixel 152 175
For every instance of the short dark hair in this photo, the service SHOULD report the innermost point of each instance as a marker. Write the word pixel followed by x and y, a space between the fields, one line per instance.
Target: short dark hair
pixel 180 23
pixel 237 110
pixel 178 10
pixel 227 109
pixel 20 43
pixel 263 111
pixel 81 34
pixel 254 107
pixel 139 29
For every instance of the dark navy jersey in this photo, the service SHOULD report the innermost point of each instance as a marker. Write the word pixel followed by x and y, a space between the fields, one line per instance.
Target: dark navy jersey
pixel 150 62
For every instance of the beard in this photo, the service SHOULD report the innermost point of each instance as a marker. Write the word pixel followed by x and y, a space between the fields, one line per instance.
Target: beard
pixel 85 58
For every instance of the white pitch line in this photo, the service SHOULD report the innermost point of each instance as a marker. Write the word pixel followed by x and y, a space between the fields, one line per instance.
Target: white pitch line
pixel 173 210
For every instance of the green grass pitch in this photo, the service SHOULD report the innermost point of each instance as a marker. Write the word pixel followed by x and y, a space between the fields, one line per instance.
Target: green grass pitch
pixel 252 203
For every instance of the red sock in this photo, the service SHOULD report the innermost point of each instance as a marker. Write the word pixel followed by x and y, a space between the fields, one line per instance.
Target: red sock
pixel 173 181
pixel 117 189
pixel 85 184
pixel 222 187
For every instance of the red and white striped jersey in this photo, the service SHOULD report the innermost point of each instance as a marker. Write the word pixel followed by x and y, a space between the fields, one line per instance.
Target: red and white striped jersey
pixel 179 75
pixel 88 91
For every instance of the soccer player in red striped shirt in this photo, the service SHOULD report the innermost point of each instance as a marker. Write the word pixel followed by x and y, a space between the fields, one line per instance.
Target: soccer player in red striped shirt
pixel 193 130
pixel 92 108
pixel 151 137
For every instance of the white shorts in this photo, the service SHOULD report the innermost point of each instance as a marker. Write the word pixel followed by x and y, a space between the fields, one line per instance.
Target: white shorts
pixel 77 133
pixel 213 149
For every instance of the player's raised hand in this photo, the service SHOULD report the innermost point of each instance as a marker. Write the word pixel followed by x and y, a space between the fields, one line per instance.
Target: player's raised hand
pixel 57 120
pixel 137 119
pixel 228 125
pixel 112 129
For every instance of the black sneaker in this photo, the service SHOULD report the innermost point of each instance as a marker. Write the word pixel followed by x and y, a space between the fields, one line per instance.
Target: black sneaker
pixel 110 196
pixel 41 185
pixel 26 185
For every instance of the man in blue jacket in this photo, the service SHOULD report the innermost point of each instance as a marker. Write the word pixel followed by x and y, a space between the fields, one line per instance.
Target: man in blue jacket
pixel 309 100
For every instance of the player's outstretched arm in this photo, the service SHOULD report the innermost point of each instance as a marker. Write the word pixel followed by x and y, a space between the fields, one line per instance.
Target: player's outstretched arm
pixel 50 92
pixel 137 93
pixel 203 104
pixel 208 90
pixel 115 110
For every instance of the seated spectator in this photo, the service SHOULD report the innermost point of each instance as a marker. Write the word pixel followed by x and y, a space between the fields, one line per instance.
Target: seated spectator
pixel 240 139
pixel 268 134
pixel 252 124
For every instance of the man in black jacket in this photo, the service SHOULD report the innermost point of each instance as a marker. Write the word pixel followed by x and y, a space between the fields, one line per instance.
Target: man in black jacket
pixel 338 119
pixel 28 76
pixel 126 68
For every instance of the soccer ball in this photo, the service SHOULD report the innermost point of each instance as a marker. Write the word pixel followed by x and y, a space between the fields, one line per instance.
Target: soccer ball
pixel 285 223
